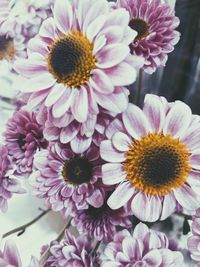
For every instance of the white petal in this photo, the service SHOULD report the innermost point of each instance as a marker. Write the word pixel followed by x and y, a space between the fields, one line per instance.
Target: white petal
pixel 121 141
pixel 120 196
pixel 113 173
pixel 109 153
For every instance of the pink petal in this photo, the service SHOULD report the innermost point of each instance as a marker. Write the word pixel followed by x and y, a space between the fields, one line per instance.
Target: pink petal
pixel 56 92
pixel 116 102
pixel 153 258
pixel 111 55
pixel 177 120
pixel 192 136
pixel 80 106
pixel 195 159
pixel 109 153
pixel 118 17
pixel 115 126
pixel 155 113
pixel 121 141
pixel 95 26
pixel 80 144
pixel 37 45
pixel 68 133
pixel 135 121
pixel 11 254
pixel 39 83
pixel 101 82
pixel 113 173
pixel 96 199
pixel 186 197
pixel 47 29
pixel 168 206
pixel 96 9
pixel 63 104
pixel 121 195
pixel 122 74
pixel 63 15
pixel 113 34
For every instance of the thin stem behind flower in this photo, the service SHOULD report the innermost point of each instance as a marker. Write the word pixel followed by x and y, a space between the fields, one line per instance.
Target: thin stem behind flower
pixel 46 254
pixel 21 229
pixel 138 88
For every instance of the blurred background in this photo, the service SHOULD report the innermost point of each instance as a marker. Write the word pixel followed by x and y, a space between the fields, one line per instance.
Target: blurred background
pixel 180 79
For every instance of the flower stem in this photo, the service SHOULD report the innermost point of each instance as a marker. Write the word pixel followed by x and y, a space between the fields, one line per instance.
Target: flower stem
pixel 96 248
pixel 187 217
pixel 46 254
pixel 138 88
pixel 21 229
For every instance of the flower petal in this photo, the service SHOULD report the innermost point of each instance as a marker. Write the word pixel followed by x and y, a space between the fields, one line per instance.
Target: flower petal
pixel 121 141
pixel 186 197
pixel 56 92
pixel 177 120
pixel 101 82
pixel 121 195
pixel 155 113
pixel 135 121
pixel 109 153
pixel 63 15
pixel 80 106
pixel 111 55
pixel 113 173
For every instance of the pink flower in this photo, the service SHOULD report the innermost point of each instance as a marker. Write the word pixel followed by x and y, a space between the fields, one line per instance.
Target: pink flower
pixel 73 251
pixel 67 180
pixel 153 158
pixel 23 137
pixel 144 247
pixel 80 60
pixel 68 130
pixel 8 185
pixel 10 255
pixel 100 223
pixel 155 23
pixel 194 239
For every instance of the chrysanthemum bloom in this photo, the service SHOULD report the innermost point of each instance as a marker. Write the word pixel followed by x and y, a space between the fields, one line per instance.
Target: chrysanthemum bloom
pixel 8 185
pixel 68 180
pixel 73 251
pixel 10 255
pixel 20 21
pixel 144 247
pixel 194 240
pixel 68 130
pixel 23 137
pixel 80 60
pixel 154 158
pixel 155 23
pixel 100 223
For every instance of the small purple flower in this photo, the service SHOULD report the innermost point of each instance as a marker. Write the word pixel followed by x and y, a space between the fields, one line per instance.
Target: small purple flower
pixel 68 180
pixel 194 239
pixel 155 23
pixel 8 185
pixel 10 255
pixel 68 130
pixel 71 252
pixel 144 247
pixel 23 137
pixel 100 223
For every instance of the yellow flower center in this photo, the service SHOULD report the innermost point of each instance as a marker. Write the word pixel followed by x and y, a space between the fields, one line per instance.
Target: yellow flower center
pixel 71 59
pixel 7 48
pixel 157 163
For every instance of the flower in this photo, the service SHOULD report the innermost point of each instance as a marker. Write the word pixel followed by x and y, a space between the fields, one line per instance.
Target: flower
pixel 10 255
pixel 155 23
pixel 67 180
pixel 20 21
pixel 153 157
pixel 100 223
pixel 80 60
pixel 71 252
pixel 8 185
pixel 66 129
pixel 194 239
pixel 23 137
pixel 144 247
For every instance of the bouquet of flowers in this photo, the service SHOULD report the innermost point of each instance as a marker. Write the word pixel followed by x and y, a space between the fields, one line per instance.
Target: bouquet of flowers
pixel 120 170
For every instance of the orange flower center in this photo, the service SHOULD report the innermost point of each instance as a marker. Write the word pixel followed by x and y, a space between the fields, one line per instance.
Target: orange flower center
pixel 71 59
pixel 157 164
pixel 7 48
